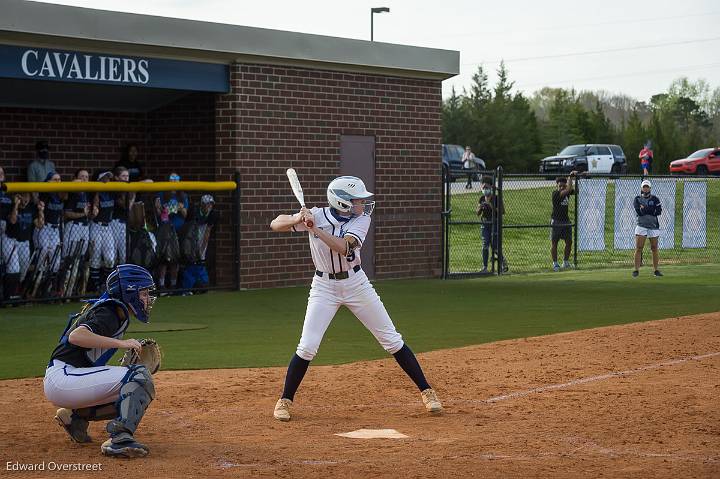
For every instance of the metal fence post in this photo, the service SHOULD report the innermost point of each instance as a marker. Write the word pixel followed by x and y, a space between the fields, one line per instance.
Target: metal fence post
pixel 499 221
pixel 575 229
pixel 236 228
pixel 444 214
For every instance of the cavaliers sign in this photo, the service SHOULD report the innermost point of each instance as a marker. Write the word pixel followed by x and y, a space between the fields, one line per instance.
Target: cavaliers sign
pixel 70 66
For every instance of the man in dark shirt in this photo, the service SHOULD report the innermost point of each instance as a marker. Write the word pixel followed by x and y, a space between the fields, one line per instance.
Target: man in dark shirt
pixel 489 207
pixel 560 220
pixel 102 241
pixel 78 379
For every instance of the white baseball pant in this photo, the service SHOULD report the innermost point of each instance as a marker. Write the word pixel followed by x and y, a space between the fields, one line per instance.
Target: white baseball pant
pixel 355 292
pixel 75 388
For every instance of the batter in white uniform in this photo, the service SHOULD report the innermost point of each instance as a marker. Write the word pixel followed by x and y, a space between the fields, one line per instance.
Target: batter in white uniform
pixel 336 239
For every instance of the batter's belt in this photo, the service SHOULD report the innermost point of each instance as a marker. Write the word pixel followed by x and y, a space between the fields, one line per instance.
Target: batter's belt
pixel 340 275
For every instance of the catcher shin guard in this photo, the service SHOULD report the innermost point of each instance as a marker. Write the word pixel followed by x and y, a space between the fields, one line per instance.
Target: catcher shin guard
pixel 136 394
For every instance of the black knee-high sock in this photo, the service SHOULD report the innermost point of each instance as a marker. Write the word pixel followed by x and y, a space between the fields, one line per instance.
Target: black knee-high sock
pixel 295 374
pixel 407 360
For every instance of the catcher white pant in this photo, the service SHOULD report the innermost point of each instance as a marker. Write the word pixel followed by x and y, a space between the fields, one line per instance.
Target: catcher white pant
pixel 355 292
pixel 47 240
pixel 75 232
pixel 10 256
pixel 74 388
pixel 118 232
pixel 103 251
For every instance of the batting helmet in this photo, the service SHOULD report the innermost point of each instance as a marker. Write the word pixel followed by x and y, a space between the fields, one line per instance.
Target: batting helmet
pixel 342 190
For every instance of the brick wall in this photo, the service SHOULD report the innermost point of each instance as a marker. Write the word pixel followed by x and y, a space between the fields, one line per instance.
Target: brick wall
pixel 274 118
pixel 78 139
pixel 277 117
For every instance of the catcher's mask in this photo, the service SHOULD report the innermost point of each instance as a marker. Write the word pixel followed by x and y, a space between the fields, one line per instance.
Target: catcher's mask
pixel 125 284
pixel 342 190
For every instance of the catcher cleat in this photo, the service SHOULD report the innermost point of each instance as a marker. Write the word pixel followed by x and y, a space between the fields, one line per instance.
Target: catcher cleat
pixel 75 426
pixel 125 446
pixel 282 410
pixel 431 401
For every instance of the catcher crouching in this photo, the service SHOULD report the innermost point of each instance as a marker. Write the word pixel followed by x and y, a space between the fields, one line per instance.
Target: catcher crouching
pixel 78 379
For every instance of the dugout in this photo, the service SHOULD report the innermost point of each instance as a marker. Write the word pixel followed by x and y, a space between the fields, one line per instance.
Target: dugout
pixel 211 100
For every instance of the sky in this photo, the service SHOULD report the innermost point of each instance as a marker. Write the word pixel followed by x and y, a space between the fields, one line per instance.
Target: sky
pixel 634 47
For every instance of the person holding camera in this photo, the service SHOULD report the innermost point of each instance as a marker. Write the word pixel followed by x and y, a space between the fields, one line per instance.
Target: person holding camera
pixel 489 208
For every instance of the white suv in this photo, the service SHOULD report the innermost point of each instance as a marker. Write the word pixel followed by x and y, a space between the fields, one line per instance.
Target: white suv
pixel 594 158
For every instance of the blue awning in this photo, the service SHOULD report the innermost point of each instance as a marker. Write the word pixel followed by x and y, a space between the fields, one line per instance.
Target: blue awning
pixel 30 63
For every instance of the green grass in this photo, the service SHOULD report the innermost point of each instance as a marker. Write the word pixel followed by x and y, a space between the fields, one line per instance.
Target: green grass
pixel 261 328
pixel 528 249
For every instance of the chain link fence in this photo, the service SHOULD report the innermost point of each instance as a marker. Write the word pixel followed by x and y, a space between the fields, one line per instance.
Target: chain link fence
pixel 600 228
pixel 62 245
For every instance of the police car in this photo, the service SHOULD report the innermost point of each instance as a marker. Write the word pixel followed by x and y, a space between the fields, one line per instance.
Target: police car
pixel 593 158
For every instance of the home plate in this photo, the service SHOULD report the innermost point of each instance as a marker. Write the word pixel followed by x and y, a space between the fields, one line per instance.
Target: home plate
pixel 373 434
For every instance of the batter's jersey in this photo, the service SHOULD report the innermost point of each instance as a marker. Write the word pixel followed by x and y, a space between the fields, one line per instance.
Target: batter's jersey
pixel 328 219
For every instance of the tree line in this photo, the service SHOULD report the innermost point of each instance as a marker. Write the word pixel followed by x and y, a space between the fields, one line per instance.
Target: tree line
pixel 505 127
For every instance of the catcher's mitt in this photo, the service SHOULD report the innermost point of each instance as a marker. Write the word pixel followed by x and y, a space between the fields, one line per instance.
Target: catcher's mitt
pixel 150 356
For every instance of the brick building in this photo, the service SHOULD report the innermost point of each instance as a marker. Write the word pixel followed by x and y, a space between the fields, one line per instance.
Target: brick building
pixel 208 100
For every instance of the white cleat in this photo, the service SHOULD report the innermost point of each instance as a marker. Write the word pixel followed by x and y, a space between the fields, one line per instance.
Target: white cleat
pixel 431 401
pixel 282 410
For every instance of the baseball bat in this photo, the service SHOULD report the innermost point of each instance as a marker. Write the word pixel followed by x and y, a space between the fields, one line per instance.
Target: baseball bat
pixel 297 191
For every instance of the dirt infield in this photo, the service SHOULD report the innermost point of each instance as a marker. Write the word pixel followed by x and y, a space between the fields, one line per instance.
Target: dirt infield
pixel 638 400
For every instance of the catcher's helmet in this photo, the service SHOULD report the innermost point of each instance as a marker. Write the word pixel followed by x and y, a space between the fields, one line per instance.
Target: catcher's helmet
pixel 342 190
pixel 124 284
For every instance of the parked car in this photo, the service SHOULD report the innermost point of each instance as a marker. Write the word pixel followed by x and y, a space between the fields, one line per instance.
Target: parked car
pixel 594 158
pixel 452 157
pixel 702 162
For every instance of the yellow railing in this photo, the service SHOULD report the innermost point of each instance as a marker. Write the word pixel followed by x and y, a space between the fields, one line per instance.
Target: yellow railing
pixel 93 186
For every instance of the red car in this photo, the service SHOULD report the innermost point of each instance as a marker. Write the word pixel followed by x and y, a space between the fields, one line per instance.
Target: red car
pixel 702 162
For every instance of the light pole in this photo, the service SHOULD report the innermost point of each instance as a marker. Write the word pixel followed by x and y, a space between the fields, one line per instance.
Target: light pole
pixel 373 11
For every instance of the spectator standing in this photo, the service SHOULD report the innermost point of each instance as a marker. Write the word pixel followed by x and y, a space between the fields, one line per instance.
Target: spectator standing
pixel 123 202
pixel 646 158
pixel 561 229
pixel 48 238
pixel 195 274
pixel 102 255
pixel 10 267
pixel 489 207
pixel 648 208
pixel 468 162
pixel 78 212
pixel 24 217
pixel 41 166
pixel 131 161
pixel 171 209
